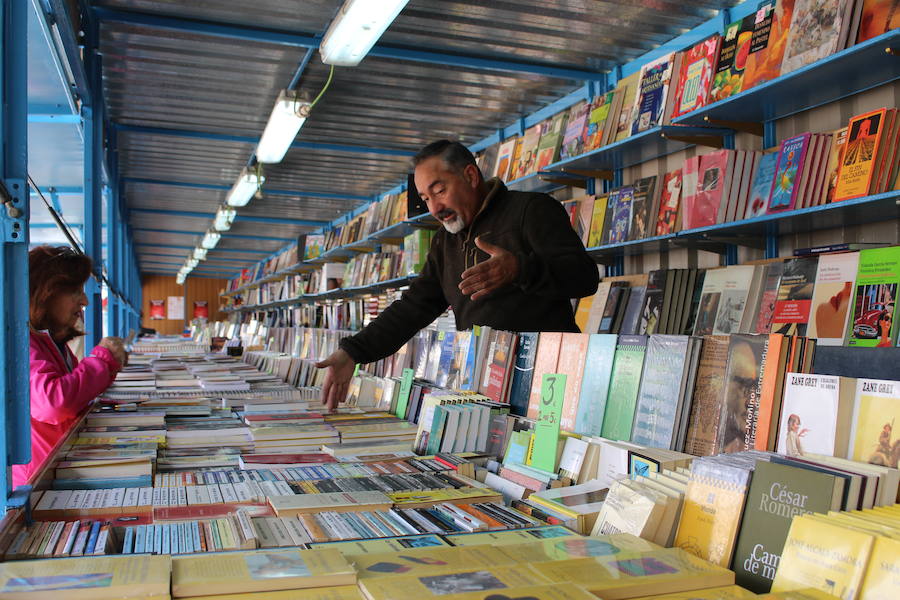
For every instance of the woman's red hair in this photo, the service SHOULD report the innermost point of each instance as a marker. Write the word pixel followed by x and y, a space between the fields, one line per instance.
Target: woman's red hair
pixel 53 270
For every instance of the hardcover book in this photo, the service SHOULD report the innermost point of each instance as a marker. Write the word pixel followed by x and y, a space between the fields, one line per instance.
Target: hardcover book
pixel 620 226
pixel 523 369
pixel 743 382
pixel 771 281
pixel 670 204
pixel 815 415
pixel 643 206
pixel 628 365
pixel 595 384
pixel 770 33
pixel 653 302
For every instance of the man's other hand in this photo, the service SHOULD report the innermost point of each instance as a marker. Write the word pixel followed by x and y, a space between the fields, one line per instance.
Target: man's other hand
pixel 337 379
pixel 482 279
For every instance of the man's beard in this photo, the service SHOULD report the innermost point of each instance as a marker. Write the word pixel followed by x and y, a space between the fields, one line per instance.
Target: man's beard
pixel 454 225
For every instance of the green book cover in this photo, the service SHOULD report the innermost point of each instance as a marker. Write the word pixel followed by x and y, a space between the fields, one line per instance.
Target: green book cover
pixel 777 494
pixel 546 426
pixel 623 387
pixel 437 429
pixel 873 322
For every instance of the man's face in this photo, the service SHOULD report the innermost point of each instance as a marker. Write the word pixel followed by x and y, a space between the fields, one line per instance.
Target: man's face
pixel 452 197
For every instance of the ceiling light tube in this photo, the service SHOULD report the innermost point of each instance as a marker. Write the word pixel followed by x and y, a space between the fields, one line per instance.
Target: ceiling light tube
pixel 288 116
pixel 355 30
pixel 224 218
pixel 179 279
pixel 210 240
pixel 200 253
pixel 192 263
pixel 244 188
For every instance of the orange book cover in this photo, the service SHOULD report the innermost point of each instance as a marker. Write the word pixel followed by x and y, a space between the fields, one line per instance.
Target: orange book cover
pixel 765 64
pixel 572 353
pixel 544 362
pixel 859 163
pixel 769 399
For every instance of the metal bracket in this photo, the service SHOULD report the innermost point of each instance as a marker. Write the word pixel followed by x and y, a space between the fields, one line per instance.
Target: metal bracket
pixel 12 195
pixel 20 497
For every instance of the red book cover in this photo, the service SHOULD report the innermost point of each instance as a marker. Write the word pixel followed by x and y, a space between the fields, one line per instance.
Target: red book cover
pixel 669 203
pixel 499 367
pixel 209 511
pixel 689 185
pixel 710 185
pixel 698 65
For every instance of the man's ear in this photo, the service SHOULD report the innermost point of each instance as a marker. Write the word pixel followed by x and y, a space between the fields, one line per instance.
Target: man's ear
pixel 471 173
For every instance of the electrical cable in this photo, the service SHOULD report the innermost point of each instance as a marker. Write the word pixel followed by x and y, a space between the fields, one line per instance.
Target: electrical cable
pixel 327 83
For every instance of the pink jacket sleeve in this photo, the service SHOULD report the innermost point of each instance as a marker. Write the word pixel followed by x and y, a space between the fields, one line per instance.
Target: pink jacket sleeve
pixel 57 396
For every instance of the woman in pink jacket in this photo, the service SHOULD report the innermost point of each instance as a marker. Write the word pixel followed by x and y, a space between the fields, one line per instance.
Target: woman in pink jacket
pixel 61 387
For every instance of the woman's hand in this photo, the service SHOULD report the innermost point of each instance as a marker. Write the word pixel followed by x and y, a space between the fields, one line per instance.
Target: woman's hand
pixel 116 346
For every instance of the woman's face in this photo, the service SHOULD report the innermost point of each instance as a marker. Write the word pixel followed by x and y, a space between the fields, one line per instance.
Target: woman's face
pixel 66 309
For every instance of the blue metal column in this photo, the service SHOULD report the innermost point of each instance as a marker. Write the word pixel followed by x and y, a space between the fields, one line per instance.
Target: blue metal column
pixel 770 139
pixel 112 258
pixel 15 410
pixel 93 187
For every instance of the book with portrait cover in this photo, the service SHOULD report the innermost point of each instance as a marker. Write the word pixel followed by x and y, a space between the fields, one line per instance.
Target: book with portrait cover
pixel 790 168
pixel 858 165
pixel 794 300
pixel 747 355
pixel 698 65
pixel 875 434
pixel 873 316
pixel 628 365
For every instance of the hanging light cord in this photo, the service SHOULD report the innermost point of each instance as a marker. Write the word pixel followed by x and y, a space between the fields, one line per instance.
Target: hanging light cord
pixel 327 83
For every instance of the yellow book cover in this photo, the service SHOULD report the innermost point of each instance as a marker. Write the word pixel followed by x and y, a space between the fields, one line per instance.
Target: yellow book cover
pixel 423 561
pixel 258 571
pixel 428 497
pixel 824 556
pixel 382 545
pixel 450 581
pixel 728 592
pixel 713 505
pixel 289 506
pixel 806 594
pixel 86 578
pixel 556 591
pixel 882 578
pixel 512 536
pixel 583 547
pixel 875 417
pixel 595 234
pixel 630 575
pixel 340 592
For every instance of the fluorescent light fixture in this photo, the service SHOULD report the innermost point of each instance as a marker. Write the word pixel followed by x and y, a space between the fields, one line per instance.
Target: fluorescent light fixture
pixel 287 118
pixel 244 188
pixel 179 279
pixel 224 218
pixel 355 30
pixel 192 263
pixel 210 240
pixel 200 253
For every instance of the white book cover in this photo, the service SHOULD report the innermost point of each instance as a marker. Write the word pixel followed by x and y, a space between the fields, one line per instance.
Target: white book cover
pixel 710 298
pixel 832 297
pixel 810 416
pixel 736 284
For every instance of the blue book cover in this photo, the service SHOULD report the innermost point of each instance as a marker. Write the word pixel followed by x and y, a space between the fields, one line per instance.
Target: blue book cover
pixel 92 538
pixel 128 544
pixel 595 383
pixel 468 374
pixel 102 484
pixel 520 388
pixel 651 100
pixel 788 173
pixel 761 186
pixel 621 221
pixel 657 404
pixel 611 200
pixel 140 536
pixel 446 359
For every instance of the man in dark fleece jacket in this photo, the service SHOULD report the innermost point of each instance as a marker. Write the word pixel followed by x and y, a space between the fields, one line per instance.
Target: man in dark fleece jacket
pixel 508 260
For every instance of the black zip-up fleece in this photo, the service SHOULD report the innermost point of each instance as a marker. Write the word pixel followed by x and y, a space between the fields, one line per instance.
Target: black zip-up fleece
pixel 553 269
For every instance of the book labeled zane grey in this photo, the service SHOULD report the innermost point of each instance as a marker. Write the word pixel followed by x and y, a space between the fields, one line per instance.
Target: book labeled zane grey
pixel 790 168
pixel 777 494
pixel 259 571
pixel 816 414
pixel 832 297
pixel 875 434
pixel 858 166
pixel 873 320
pixel 698 66
pixel 653 91
pixel 628 365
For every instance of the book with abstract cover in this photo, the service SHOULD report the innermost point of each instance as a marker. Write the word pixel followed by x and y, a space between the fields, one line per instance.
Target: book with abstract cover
pixel 878 17
pixel 573 138
pixel 832 297
pixel 620 226
pixel 650 102
pixel 770 34
pixel 758 202
pixel 874 314
pixel 669 204
pixel 794 300
pixel 788 172
pixel 816 31
pixel 657 404
pixel 698 66
pixel 858 166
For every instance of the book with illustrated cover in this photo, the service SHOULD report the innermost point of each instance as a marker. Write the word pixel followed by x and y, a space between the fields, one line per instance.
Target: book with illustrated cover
pixel 653 302
pixel 818 29
pixel 504 159
pixel 790 168
pixel 878 17
pixel 597 121
pixel 552 132
pixel 658 406
pixel 527 159
pixel 653 90
pixel 736 283
pixel 874 438
pixel 598 217
pixel 729 76
pixel 832 297
pixel 576 124
pixel 761 187
pixel 771 281
pixel 670 203
pixel 771 29
pixel 644 204
pixel 621 222
pixel 742 386
pixel 816 414
pixel 451 581
pixel 710 298
pixel 706 409
pixel 629 89
pixel 835 156
pixel 794 300
pixel 628 365
pixel 873 316
pixel 698 65
pixel 858 166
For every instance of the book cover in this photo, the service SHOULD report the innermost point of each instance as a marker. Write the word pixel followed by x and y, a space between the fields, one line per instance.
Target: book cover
pixel 713 505
pixel 629 90
pixel 873 315
pixel 584 218
pixel 628 364
pixel 596 122
pixel 689 183
pixel 670 203
pixel 858 166
pixel 815 415
pixel 620 226
pixel 595 384
pixel 777 494
pixel 706 409
pixel 758 202
pixel 833 294
pixel 824 556
pixel 878 17
pixel 729 76
pixel 504 159
pixel 789 170
pixel 631 320
pixel 710 298
pixel 573 138
pixel 711 177
pixel 742 386
pixel 528 153
pixel 815 31
pixel 736 283
pixel 698 66
pixel 452 580
pixel 552 132
pixel 523 368
pixel 612 199
pixel 544 362
pixel 794 300
pixel 653 302
pixel 572 353
pixel 499 366
pixel 615 297
pixel 643 207
pixel 657 405
pixel 770 34
pixel 876 413
pixel 768 296
pixel 653 88
pixel 598 215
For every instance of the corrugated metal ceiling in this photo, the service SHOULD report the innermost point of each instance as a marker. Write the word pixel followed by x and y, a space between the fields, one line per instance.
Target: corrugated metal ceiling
pixel 190 102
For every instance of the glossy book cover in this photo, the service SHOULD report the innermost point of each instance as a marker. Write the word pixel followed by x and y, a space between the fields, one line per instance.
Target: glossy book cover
pixel 788 172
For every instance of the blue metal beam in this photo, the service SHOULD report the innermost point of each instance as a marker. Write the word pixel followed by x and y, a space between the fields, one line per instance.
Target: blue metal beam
pixel 182 258
pixel 246 139
pixel 199 215
pixel 62 190
pixel 224 233
pixel 58 119
pixel 299 40
pixel 93 182
pixel 63 22
pixel 193 274
pixel 235 250
pixel 266 191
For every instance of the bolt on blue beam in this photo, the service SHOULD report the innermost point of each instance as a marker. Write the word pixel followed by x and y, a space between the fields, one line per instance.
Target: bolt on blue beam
pixel 246 139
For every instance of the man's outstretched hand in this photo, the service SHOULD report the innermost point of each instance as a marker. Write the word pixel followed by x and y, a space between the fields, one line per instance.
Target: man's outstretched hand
pixel 482 279
pixel 337 378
